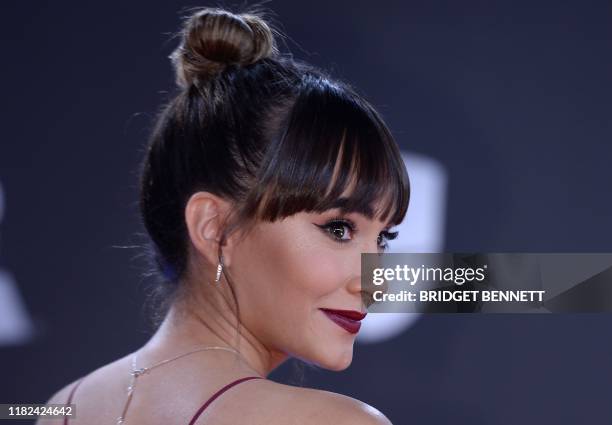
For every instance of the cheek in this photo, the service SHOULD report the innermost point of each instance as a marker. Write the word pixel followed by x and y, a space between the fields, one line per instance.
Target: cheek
pixel 292 261
pixel 286 271
pixel 309 267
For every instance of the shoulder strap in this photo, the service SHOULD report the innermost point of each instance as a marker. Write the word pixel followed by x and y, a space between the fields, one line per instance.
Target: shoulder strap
pixel 74 387
pixel 217 394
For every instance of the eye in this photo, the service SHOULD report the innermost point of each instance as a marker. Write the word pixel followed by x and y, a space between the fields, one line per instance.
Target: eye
pixel 386 236
pixel 339 229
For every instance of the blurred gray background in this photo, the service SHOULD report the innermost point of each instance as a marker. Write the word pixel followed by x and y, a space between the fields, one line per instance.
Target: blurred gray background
pixel 513 99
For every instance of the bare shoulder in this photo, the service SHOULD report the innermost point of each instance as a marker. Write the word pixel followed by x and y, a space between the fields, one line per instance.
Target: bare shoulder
pixel 298 405
pixel 61 396
pixel 342 409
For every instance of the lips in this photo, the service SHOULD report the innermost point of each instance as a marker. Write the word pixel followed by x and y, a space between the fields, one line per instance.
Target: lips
pixel 346 319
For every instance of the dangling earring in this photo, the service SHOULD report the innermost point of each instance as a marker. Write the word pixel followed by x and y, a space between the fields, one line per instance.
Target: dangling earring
pixel 219 270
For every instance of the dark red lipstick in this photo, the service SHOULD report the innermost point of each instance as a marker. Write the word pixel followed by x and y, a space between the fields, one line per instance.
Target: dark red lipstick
pixel 347 319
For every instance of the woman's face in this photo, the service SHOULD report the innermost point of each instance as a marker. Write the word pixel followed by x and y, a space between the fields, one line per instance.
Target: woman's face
pixel 286 272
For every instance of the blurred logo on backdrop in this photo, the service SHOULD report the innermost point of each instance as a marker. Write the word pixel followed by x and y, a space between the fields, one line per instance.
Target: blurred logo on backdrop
pixel 421 231
pixel 15 324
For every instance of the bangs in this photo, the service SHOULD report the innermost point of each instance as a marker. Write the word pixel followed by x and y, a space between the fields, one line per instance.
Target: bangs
pixel 334 152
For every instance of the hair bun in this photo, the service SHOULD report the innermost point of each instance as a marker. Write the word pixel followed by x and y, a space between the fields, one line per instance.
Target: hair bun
pixel 214 38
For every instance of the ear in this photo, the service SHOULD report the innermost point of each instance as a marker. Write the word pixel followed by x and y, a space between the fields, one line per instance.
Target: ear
pixel 204 217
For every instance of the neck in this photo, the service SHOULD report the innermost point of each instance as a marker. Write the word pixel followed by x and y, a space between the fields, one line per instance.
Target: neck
pixel 187 326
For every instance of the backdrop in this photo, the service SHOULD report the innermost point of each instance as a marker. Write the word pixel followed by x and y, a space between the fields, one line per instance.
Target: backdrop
pixel 512 99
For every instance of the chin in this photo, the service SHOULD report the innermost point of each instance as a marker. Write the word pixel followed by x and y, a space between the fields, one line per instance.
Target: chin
pixel 336 360
pixel 341 365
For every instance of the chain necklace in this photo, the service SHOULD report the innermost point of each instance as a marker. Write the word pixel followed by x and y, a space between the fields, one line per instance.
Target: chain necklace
pixel 141 371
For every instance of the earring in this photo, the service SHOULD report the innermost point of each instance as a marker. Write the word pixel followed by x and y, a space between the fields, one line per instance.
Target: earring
pixel 219 270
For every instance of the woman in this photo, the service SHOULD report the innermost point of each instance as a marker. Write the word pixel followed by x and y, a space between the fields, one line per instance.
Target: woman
pixel 263 182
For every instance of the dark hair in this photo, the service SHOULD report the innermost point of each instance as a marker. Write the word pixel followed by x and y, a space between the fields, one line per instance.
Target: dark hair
pixel 272 135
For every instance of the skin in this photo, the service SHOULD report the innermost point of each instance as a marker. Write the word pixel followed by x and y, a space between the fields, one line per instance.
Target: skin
pixel 283 273
pixel 279 291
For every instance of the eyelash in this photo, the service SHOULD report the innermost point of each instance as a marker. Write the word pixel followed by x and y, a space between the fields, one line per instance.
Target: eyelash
pixel 340 221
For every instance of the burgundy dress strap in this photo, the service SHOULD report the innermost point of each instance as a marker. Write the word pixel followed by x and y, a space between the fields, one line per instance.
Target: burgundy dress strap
pixel 217 394
pixel 74 387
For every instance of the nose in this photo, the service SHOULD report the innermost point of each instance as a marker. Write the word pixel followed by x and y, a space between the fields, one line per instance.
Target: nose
pixel 366 286
pixel 366 294
pixel 365 290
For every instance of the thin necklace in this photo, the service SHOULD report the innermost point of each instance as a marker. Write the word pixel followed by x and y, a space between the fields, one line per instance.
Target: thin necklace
pixel 141 371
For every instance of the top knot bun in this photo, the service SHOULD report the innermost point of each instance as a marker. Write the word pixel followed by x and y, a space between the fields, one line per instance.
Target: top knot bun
pixel 215 38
